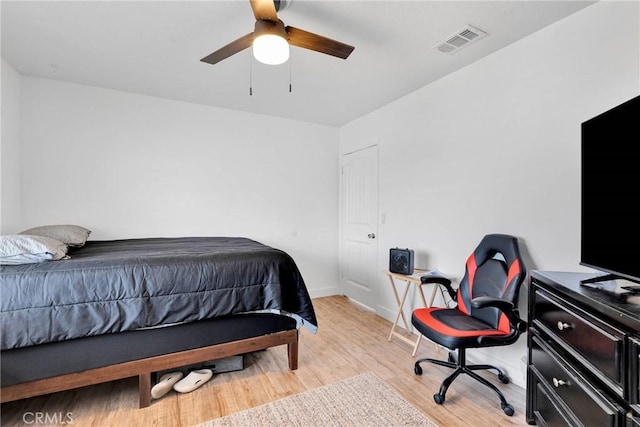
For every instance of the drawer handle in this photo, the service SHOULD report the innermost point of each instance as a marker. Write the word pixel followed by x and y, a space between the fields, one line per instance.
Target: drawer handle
pixel 559 383
pixel 562 326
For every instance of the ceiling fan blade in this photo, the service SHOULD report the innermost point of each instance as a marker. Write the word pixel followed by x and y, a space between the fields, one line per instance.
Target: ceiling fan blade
pixel 231 49
pixel 307 40
pixel 264 9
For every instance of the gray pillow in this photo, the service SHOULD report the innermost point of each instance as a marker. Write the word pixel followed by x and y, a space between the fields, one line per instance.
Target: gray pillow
pixel 18 249
pixel 71 235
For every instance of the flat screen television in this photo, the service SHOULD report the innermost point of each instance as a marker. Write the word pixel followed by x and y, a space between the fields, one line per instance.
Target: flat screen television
pixel 610 189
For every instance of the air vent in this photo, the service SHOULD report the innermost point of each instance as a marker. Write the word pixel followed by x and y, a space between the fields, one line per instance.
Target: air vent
pixel 461 38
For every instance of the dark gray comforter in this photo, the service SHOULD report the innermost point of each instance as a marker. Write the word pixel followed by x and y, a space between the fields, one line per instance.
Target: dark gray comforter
pixel 120 285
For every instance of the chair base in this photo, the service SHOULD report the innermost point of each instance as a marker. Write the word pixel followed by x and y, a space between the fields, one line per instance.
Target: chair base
pixel 461 367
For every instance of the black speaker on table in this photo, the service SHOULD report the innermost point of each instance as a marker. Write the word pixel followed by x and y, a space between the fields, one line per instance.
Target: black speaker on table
pixel 401 261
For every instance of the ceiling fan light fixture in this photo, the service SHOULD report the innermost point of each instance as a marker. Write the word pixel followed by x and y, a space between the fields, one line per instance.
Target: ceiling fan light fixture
pixel 270 45
pixel 271 49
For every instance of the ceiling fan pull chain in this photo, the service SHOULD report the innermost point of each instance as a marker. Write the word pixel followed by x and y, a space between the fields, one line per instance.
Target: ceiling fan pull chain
pixel 250 75
pixel 290 74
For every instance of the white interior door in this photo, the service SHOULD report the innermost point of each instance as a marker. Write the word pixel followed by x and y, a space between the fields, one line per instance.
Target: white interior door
pixel 359 219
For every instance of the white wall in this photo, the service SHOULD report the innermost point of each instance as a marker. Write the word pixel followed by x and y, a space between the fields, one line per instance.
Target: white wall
pixel 10 203
pixel 495 148
pixel 126 165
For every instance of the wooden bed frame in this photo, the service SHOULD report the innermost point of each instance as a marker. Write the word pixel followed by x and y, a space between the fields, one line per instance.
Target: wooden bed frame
pixel 141 335
pixel 145 367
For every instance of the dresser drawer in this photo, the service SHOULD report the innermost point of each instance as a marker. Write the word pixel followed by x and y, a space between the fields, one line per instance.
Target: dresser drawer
pixel 547 413
pixel 634 372
pixel 586 403
pixel 594 343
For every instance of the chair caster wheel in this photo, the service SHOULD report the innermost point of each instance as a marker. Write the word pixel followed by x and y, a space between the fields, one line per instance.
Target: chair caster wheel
pixel 508 409
pixel 438 398
pixel 417 369
pixel 505 379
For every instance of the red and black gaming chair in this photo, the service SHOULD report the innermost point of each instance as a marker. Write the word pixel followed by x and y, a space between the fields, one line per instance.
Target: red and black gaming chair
pixel 486 314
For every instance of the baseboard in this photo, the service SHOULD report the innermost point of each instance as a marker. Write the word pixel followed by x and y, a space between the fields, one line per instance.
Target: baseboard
pixel 323 292
pixel 476 356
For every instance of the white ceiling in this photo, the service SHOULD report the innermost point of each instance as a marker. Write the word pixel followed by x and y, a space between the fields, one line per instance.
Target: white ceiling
pixel 154 48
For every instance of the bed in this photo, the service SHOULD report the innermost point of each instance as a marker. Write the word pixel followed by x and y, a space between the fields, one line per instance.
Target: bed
pixel 135 307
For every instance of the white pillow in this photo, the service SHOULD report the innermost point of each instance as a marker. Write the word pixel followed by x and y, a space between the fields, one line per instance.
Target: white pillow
pixel 70 235
pixel 18 249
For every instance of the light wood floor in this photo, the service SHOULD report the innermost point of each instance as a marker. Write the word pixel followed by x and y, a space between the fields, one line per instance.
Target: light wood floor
pixel 350 340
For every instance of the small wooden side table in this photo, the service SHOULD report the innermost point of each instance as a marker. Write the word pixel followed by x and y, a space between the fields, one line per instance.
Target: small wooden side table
pixel 409 280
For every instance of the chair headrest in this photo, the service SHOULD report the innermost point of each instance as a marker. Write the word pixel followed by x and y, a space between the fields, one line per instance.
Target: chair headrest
pixel 503 244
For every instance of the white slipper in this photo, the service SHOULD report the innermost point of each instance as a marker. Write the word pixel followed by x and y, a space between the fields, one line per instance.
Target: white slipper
pixel 193 380
pixel 165 384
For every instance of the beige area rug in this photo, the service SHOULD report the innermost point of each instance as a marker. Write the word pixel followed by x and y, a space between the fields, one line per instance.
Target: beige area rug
pixel 363 400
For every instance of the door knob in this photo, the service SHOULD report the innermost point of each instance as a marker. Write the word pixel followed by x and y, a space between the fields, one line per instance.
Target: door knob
pixel 371 235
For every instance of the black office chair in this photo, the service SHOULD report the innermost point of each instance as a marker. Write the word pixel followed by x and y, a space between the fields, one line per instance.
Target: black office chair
pixel 486 314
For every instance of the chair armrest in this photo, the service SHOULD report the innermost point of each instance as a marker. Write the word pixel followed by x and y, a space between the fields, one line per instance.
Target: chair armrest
pixel 501 304
pixel 507 307
pixel 440 280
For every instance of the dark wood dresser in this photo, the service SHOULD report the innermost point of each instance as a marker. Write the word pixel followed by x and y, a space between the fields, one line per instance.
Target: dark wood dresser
pixel 583 352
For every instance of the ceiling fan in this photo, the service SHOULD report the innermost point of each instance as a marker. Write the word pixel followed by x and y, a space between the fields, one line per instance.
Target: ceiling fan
pixel 271 39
